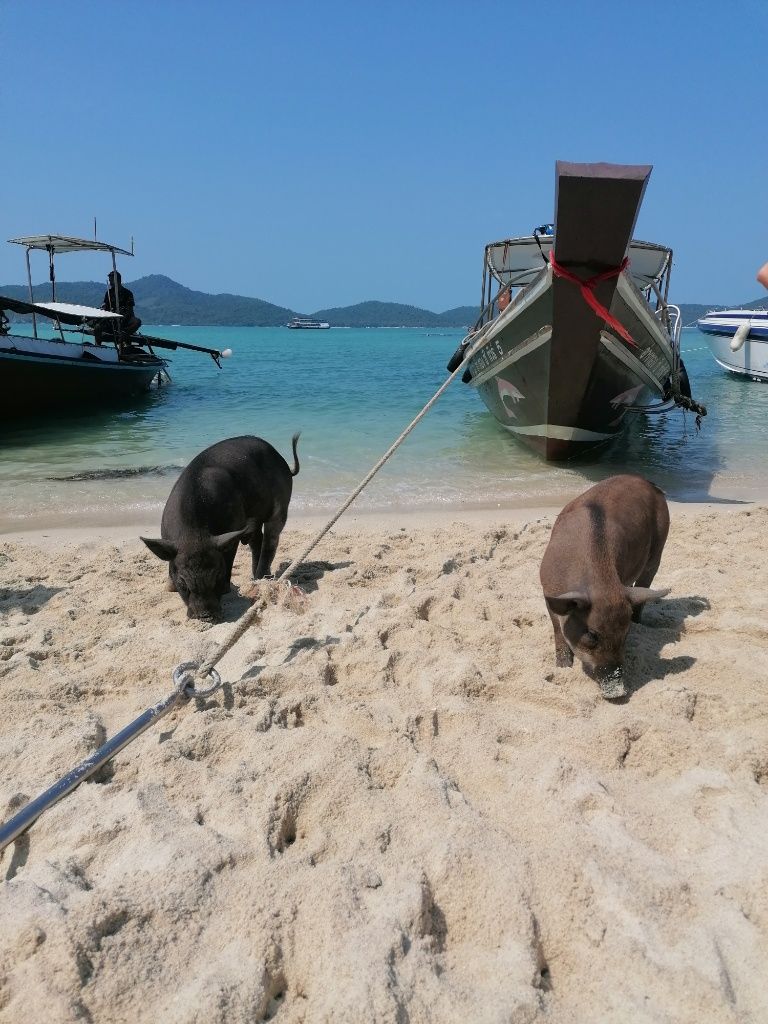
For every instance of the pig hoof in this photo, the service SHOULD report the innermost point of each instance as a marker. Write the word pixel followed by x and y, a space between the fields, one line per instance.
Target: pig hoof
pixel 170 587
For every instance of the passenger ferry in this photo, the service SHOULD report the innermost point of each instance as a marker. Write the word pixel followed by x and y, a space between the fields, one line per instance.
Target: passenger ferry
pixel 303 323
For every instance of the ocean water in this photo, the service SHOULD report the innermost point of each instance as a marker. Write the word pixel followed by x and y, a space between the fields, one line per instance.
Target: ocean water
pixel 351 392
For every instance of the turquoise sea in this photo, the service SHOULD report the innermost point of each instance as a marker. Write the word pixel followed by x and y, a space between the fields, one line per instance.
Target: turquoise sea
pixel 351 392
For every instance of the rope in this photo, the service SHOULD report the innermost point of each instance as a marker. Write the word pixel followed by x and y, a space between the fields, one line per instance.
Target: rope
pixel 254 614
pixel 184 688
pixel 588 293
pixel 184 674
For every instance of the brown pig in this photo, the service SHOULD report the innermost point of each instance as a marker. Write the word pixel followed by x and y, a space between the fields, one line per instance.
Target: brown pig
pixel 602 556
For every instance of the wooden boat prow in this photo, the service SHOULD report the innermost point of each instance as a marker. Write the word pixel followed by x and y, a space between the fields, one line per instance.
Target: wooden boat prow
pixel 597 206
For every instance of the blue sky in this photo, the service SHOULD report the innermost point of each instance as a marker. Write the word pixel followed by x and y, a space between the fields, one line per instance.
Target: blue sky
pixel 322 153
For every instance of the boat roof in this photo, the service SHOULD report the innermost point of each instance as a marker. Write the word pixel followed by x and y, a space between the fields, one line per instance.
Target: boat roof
pixel 66 312
pixel 520 259
pixel 64 243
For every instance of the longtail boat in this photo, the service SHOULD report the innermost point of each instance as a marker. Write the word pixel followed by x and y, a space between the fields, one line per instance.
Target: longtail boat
pixel 88 358
pixel 576 332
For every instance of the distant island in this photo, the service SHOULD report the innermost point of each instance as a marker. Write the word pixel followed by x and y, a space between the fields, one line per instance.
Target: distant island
pixel 160 300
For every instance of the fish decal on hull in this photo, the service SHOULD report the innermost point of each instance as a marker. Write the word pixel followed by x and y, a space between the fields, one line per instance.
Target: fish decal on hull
pixel 509 395
pixel 627 397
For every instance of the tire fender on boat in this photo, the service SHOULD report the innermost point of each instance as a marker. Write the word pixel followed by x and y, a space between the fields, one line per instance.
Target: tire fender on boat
pixel 740 337
pixel 456 358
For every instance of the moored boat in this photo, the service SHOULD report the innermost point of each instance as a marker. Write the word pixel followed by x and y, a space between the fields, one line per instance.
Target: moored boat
pixel 93 357
pixel 738 340
pixel 576 330
pixel 305 323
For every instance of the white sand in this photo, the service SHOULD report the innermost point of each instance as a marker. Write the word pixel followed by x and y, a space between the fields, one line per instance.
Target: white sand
pixel 396 809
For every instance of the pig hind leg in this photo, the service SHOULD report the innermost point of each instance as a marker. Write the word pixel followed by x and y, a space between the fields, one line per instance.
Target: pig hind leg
pixel 563 653
pixel 229 561
pixel 645 579
pixel 272 530
pixel 255 543
pixel 651 567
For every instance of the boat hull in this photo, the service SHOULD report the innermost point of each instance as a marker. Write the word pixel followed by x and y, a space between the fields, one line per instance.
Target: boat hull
pixel 564 394
pixel 751 359
pixel 34 384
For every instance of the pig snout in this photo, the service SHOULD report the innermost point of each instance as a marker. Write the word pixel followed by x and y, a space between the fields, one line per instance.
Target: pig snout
pixel 610 679
pixel 600 650
pixel 206 609
pixel 605 664
pixel 608 672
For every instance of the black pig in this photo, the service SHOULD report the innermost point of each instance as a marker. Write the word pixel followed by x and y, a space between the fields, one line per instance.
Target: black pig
pixel 238 490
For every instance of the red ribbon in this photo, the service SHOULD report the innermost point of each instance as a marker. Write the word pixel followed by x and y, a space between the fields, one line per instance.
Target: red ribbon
pixel 588 293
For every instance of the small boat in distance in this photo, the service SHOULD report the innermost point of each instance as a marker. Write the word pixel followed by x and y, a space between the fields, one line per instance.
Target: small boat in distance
pixel 305 323
pixel 567 346
pixel 100 361
pixel 738 339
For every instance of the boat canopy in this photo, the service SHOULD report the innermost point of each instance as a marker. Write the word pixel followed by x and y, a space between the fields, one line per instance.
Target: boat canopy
pixel 65 312
pixel 63 243
pixel 519 260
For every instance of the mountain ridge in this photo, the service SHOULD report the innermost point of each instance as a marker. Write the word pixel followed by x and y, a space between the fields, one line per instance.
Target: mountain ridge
pixel 161 300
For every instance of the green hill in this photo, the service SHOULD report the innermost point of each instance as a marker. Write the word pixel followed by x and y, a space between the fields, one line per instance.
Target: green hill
pixel 89 293
pixel 693 311
pixel 160 300
pixel 379 314
pixel 461 316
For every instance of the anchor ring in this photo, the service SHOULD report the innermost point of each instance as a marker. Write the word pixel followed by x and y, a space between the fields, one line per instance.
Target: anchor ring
pixel 184 680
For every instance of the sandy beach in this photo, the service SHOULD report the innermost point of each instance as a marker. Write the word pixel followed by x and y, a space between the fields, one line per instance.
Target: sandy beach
pixel 396 809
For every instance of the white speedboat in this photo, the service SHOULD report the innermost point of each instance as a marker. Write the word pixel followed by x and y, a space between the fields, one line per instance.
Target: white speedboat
pixel 738 339
pixel 304 323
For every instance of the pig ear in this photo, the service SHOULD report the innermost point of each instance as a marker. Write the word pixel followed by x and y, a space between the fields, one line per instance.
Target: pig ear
pixel 639 595
pixel 226 540
pixel 564 604
pixel 162 548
